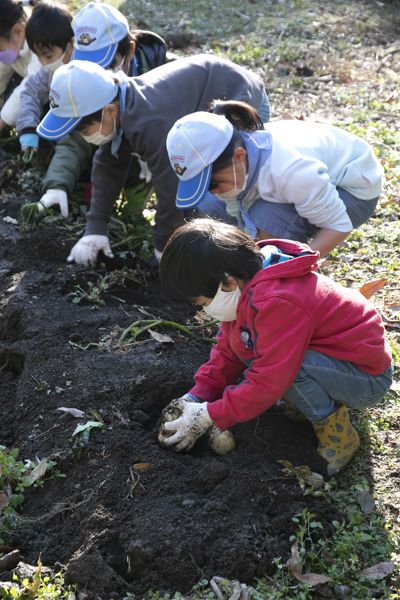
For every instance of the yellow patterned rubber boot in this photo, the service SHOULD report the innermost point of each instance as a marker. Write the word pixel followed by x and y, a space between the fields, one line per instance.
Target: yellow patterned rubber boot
pixel 338 440
pixel 286 408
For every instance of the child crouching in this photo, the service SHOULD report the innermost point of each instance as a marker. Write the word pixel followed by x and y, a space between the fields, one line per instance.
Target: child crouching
pixel 292 332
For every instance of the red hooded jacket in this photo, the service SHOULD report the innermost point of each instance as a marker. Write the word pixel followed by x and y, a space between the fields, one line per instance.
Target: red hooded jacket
pixel 284 310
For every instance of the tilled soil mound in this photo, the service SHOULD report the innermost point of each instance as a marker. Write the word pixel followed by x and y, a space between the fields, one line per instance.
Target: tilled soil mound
pixel 116 528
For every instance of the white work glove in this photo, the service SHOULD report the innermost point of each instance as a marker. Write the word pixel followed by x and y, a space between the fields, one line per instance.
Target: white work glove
pixel 145 171
pixel 52 197
pixel 86 250
pixel 158 255
pixel 193 422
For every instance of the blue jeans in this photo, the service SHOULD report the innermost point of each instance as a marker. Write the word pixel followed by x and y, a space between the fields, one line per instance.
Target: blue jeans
pixel 322 381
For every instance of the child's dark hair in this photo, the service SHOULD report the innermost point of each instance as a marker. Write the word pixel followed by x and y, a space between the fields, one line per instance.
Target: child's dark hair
pixel 49 25
pixel 96 116
pixel 12 12
pixel 200 254
pixel 243 118
pixel 124 45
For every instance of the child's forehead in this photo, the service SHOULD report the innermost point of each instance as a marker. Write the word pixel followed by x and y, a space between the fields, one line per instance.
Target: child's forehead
pixel 41 49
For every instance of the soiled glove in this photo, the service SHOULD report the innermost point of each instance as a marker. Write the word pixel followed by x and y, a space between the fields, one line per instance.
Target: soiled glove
pixel 52 197
pixel 193 422
pixel 86 250
pixel 145 172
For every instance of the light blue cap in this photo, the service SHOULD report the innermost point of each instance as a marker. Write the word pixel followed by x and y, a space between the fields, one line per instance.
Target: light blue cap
pixel 78 89
pixel 193 144
pixel 98 29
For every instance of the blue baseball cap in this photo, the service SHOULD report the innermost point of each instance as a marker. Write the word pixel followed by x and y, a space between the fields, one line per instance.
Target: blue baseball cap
pixel 98 29
pixel 193 144
pixel 78 89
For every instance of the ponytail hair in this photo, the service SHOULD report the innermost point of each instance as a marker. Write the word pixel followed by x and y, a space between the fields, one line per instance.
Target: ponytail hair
pixel 12 12
pixel 243 118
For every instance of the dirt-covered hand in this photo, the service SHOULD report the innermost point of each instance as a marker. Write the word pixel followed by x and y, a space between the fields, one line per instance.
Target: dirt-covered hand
pixel 52 197
pixel 145 172
pixel 86 250
pixel 193 422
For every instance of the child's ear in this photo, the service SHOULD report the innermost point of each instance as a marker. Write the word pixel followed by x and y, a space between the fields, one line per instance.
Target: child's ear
pixel 230 285
pixel 131 52
pixel 19 31
pixel 111 110
pixel 240 154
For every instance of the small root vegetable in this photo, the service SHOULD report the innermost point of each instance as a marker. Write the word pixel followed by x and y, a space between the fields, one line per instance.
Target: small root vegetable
pixel 220 442
pixel 170 413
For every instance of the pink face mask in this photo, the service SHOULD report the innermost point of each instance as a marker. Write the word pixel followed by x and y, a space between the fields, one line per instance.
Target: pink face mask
pixel 9 56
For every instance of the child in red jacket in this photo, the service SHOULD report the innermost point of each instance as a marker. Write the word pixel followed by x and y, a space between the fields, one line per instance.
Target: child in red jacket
pixel 292 332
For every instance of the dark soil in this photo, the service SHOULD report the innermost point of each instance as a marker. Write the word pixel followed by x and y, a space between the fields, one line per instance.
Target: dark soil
pixel 190 515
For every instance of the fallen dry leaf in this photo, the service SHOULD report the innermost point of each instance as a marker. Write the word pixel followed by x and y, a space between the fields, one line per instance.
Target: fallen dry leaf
pixel 75 412
pixel 370 288
pixel 310 483
pixel 312 578
pixel 4 501
pixel 325 263
pixel 366 502
pixel 38 471
pixel 294 561
pixel 140 466
pixel 160 337
pixel 379 571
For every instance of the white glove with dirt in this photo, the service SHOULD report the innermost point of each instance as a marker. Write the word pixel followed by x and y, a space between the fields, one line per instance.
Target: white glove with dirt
pixel 145 172
pixel 52 197
pixel 193 421
pixel 86 250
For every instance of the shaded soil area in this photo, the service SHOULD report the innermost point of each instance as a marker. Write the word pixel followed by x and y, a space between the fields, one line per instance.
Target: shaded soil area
pixel 189 516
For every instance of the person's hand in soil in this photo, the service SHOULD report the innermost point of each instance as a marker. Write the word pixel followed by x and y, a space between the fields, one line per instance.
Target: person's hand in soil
pixel 86 250
pixel 193 422
pixel 52 197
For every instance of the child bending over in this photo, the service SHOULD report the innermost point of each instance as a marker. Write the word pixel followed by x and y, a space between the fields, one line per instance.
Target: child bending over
pixel 289 329
pixel 295 180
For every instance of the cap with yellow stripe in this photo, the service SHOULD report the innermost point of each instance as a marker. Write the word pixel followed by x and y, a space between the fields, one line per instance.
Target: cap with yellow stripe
pixel 78 89
pixel 98 29
pixel 193 144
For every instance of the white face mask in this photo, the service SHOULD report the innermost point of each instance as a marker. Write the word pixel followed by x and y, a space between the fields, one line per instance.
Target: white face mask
pixel 118 67
pixel 52 67
pixel 98 138
pixel 235 192
pixel 224 304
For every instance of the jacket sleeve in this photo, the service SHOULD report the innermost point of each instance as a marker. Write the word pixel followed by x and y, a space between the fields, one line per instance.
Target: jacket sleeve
pixel 6 72
pixel 72 154
pixel 281 334
pixel 306 185
pixel 34 96
pixel 223 369
pixel 149 143
pixel 108 178
pixel 10 110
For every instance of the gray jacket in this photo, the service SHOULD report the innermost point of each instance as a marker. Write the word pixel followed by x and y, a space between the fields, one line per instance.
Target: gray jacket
pixel 154 102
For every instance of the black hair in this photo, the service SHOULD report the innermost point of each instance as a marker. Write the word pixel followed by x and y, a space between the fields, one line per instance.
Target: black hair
pixel 96 116
pixel 124 45
pixel 49 25
pixel 243 118
pixel 12 12
pixel 200 254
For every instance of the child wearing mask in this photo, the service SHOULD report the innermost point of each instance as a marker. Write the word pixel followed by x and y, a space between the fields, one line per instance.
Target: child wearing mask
pixel 50 33
pixel 16 59
pixel 288 329
pixel 134 116
pixel 294 180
